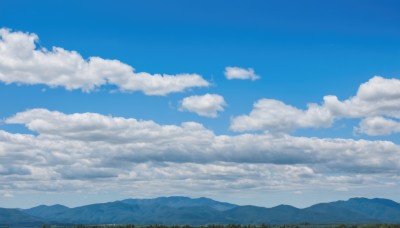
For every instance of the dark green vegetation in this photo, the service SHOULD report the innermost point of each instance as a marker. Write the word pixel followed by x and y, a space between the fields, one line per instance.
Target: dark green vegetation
pixel 202 211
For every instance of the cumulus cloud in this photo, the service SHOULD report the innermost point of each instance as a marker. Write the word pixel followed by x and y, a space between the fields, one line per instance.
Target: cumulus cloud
pixel 207 105
pixel 130 140
pixel 376 99
pixel 276 116
pixel 92 141
pixel 378 126
pixel 23 62
pixel 240 73
pixel 69 152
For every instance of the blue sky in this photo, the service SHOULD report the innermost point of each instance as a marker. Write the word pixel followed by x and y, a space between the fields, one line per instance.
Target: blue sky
pixel 69 122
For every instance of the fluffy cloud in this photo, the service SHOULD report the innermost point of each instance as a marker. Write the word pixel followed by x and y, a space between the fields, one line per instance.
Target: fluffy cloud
pixel 275 116
pixel 84 146
pixel 375 99
pixel 23 62
pixel 69 152
pixel 240 73
pixel 378 126
pixel 206 105
pixel 119 139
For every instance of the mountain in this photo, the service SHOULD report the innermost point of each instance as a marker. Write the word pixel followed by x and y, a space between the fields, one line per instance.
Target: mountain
pixel 179 201
pixel 44 211
pixel 328 213
pixel 104 213
pixel 259 215
pixel 143 213
pixel 380 209
pixel 317 214
pixel 202 211
pixel 14 217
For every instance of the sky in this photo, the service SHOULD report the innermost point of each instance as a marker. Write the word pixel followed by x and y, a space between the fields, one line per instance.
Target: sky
pixel 249 102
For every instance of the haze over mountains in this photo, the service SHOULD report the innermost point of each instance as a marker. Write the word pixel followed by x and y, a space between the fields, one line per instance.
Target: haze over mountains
pixel 203 211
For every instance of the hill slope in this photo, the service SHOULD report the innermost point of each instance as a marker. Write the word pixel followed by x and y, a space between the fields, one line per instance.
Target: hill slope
pixel 14 217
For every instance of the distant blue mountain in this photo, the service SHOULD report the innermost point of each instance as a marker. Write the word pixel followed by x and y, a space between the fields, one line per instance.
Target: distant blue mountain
pixel 44 211
pixel 14 217
pixel 180 201
pixel 380 209
pixel 329 213
pixel 163 210
pixel 202 211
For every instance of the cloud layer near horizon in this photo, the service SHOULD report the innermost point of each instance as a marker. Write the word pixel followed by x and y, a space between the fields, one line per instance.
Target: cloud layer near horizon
pixel 22 61
pixel 81 149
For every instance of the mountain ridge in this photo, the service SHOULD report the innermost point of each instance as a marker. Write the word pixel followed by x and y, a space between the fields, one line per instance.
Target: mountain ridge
pixel 178 210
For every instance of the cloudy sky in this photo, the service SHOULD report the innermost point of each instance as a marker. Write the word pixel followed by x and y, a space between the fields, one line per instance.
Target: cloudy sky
pixel 250 102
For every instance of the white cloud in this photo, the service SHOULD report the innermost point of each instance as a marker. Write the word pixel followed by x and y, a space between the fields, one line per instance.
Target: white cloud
pixel 70 138
pixel 69 152
pixel 275 116
pixel 206 105
pixel 377 97
pixel 240 73
pixel 23 62
pixel 378 125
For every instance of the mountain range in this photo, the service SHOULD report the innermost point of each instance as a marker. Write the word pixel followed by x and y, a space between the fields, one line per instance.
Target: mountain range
pixel 202 211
